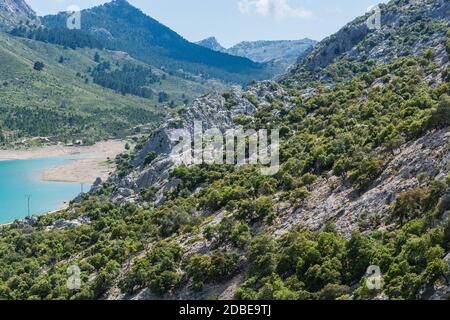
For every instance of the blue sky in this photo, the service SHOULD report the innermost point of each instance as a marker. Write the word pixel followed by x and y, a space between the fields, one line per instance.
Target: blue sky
pixel 232 21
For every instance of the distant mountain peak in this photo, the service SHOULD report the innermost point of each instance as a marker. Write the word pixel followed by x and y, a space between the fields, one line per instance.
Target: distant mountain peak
pixel 13 12
pixel 120 3
pixel 281 54
pixel 211 43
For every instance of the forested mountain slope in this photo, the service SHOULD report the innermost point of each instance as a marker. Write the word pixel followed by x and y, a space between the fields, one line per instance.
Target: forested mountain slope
pixel 71 90
pixel 61 101
pixel 364 180
pixel 120 26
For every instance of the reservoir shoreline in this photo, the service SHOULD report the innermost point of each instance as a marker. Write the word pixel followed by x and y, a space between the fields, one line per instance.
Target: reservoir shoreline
pixel 51 176
pixel 88 165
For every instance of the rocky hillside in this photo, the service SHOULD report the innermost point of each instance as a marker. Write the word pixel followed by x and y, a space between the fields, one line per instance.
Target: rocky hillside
pixel 81 90
pixel 14 12
pixel 214 111
pixel 364 181
pixel 407 27
pixel 75 97
pixel 349 205
pixel 331 199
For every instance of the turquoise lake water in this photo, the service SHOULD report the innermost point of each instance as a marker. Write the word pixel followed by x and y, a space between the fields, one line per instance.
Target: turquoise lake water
pixel 19 178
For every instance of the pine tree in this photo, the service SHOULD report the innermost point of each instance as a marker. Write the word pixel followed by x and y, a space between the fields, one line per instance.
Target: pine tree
pixel 97 57
pixel 39 66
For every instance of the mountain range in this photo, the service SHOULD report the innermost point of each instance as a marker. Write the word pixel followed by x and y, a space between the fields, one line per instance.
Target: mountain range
pixel 281 53
pixel 119 51
pixel 120 26
pixel 79 91
pixel 112 52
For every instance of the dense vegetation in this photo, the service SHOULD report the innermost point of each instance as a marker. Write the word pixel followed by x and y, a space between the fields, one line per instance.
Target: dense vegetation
pixel 332 130
pixel 351 130
pixel 62 36
pixel 132 79
pixel 298 265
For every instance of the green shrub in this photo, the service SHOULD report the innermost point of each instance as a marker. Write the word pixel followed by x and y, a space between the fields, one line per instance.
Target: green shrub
pixel 366 172
pixel 441 116
pixel 409 205
pixel 152 155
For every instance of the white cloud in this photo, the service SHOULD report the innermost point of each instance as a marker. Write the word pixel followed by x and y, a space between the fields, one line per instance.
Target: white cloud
pixel 278 9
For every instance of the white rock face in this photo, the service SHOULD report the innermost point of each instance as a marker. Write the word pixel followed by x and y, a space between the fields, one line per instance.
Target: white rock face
pixel 12 12
pixel 213 112
pixel 332 201
pixel 357 42
pixel 64 224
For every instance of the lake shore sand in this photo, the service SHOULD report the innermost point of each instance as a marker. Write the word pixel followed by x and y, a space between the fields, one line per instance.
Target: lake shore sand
pixel 84 169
